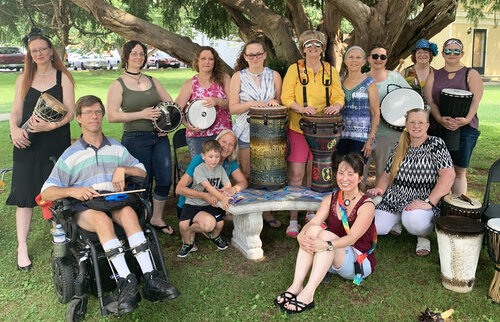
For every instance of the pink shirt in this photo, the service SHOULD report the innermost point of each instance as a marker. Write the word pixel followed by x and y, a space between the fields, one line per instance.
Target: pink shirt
pixel 222 119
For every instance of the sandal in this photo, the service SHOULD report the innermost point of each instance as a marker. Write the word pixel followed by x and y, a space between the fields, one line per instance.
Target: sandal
pixel 299 306
pixel 293 230
pixel 160 228
pixel 273 223
pixel 285 297
pixel 423 246
pixel 396 229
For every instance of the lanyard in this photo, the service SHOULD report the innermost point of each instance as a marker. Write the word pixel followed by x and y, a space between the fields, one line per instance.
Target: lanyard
pixel 305 80
pixel 359 258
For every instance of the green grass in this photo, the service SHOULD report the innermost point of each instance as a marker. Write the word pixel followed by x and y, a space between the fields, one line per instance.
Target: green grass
pixel 224 286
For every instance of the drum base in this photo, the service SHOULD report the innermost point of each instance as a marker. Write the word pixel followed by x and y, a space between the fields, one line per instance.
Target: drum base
pixel 494 292
pixel 271 187
pixel 456 285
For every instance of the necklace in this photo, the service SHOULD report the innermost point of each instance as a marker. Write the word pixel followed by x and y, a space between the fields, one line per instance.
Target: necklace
pixel 347 202
pixel 46 74
pixel 256 75
pixel 138 78
pixel 126 71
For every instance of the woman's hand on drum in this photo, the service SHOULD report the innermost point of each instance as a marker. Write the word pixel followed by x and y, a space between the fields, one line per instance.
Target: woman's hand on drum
pixel 461 121
pixel 449 123
pixel 309 110
pixel 257 104
pixel 190 127
pixel 418 204
pixel 375 191
pixel 19 137
pixel 84 193
pixel 273 103
pixel 209 101
pixel 333 109
pixel 36 124
pixel 150 113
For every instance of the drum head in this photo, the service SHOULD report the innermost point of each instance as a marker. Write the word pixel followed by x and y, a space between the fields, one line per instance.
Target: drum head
pixel 395 104
pixel 268 110
pixel 49 108
pixel 494 224
pixel 457 201
pixel 170 118
pixel 456 92
pixel 199 115
pixel 459 225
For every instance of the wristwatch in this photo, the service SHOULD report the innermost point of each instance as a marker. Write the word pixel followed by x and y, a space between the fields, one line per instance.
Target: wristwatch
pixel 429 202
pixel 330 246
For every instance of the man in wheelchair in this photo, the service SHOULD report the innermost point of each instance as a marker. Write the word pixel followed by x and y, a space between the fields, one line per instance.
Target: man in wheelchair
pixel 99 163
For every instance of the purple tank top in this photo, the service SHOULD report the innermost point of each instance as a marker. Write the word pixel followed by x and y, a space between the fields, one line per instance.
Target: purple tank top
pixel 441 81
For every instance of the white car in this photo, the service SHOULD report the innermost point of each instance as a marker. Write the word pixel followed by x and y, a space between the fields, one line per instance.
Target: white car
pixel 92 61
pixel 113 59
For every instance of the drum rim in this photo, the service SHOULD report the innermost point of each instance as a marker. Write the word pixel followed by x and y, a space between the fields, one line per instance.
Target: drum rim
pixel 488 227
pixel 442 91
pixel 192 103
pixel 446 199
pixel 478 231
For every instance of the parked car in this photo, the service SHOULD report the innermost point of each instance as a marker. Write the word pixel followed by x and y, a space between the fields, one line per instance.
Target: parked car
pixel 74 60
pixel 112 58
pixel 11 58
pixel 161 59
pixel 87 61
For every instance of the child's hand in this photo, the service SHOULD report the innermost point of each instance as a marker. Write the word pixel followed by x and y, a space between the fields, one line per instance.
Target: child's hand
pixel 225 202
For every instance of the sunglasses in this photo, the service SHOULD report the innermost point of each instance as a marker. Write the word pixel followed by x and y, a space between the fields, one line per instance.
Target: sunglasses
pixel 310 44
pixel 455 52
pixel 377 56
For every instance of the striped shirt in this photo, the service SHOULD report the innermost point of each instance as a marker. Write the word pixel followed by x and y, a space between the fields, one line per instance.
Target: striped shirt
pixel 356 111
pixel 83 165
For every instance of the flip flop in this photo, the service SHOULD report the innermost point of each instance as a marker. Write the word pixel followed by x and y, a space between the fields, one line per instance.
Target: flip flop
pixel 272 222
pixel 160 228
pixel 299 306
pixel 285 296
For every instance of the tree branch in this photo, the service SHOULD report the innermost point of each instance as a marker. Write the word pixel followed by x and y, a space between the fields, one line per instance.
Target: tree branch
pixel 298 17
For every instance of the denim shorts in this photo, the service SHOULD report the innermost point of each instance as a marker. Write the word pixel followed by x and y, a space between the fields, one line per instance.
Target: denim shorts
pixel 346 271
pixel 195 143
pixel 347 146
pixel 468 139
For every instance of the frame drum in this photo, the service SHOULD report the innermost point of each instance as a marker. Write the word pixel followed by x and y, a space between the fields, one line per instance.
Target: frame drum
pixel 396 103
pixel 200 116
pixel 170 118
pixel 493 241
pixel 460 205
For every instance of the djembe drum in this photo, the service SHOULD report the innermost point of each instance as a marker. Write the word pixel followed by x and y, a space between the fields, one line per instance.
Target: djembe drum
pixel 460 205
pixel 493 241
pixel 454 103
pixel 322 133
pixel 459 241
pixel 49 109
pixel 268 147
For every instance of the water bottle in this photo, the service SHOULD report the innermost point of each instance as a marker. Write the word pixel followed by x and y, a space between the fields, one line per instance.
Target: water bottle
pixel 59 241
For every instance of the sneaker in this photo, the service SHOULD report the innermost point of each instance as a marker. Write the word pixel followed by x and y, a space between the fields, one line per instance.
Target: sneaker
pixel 128 294
pixel 186 249
pixel 158 289
pixel 219 242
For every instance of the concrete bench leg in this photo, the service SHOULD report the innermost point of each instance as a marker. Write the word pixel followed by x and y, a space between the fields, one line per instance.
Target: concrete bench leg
pixel 246 235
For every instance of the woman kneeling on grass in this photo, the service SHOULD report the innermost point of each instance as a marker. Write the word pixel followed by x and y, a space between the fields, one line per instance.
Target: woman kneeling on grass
pixel 350 238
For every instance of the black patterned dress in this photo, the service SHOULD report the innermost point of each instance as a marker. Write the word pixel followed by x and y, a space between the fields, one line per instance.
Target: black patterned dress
pixel 417 174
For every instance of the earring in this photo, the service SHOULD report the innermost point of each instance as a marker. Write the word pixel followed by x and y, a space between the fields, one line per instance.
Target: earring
pixel 51 58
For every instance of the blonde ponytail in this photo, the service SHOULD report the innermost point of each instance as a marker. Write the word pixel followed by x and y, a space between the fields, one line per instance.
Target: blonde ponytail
pixel 401 150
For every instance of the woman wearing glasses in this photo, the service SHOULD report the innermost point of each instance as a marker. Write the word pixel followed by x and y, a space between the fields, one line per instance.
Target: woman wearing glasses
pixel 44 72
pixel 131 100
pixel 386 137
pixel 311 76
pixel 455 75
pixel 253 84
pixel 417 175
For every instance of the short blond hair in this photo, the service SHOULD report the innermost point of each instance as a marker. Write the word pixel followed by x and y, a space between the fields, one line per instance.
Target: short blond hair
pixel 234 155
pixel 310 35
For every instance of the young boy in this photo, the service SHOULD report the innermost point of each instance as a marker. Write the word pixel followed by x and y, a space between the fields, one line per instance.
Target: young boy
pixel 209 177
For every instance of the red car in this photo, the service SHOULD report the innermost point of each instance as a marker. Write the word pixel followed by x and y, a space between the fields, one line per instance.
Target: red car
pixel 11 58
pixel 161 59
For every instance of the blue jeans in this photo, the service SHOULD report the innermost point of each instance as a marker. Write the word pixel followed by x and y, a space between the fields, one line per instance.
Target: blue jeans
pixel 195 143
pixel 346 271
pixel 347 146
pixel 154 152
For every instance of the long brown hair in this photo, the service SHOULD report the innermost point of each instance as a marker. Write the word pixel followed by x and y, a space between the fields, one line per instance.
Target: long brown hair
pixel 30 66
pixel 217 72
pixel 403 144
pixel 241 63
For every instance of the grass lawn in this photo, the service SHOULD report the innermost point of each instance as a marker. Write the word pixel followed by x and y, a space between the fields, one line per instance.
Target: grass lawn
pixel 223 285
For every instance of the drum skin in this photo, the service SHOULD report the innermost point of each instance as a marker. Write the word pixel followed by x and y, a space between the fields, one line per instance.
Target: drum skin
pixel 322 133
pixel 396 103
pixel 459 241
pixel 268 147
pixel 455 205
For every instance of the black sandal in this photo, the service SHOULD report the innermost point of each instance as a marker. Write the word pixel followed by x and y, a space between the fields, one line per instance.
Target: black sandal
pixel 160 228
pixel 286 297
pixel 299 306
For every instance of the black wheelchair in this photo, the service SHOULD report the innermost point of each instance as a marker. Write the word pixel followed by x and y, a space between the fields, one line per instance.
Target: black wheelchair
pixel 82 267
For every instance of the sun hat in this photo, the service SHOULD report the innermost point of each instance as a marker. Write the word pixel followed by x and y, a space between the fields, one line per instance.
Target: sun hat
pixel 425 44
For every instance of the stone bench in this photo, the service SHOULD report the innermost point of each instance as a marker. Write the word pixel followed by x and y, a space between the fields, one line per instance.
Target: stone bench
pixel 247 212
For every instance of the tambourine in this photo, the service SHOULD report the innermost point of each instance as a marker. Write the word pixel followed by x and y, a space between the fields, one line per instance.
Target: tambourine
pixel 170 118
pixel 199 115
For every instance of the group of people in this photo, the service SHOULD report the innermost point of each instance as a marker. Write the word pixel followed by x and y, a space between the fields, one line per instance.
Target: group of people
pixel 414 169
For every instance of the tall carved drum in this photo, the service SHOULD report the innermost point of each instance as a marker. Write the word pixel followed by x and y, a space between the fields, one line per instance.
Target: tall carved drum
pixel 322 133
pixel 268 147
pixel 493 228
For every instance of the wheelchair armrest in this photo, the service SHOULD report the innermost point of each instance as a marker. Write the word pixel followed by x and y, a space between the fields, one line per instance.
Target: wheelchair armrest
pixel 148 209
pixel 135 181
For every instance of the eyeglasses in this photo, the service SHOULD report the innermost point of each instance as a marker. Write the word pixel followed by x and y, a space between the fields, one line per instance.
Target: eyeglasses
pixel 38 51
pixel 455 52
pixel 311 43
pixel 420 123
pixel 96 113
pixel 136 54
pixel 252 56
pixel 377 56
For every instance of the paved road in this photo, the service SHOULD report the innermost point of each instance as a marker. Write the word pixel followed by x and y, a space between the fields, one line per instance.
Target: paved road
pixel 4 116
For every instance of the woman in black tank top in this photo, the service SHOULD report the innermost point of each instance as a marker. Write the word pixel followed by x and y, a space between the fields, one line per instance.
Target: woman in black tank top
pixel 44 73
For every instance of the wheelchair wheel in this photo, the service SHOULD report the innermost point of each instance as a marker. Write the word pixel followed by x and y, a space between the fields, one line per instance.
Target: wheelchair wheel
pixel 63 276
pixel 76 310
